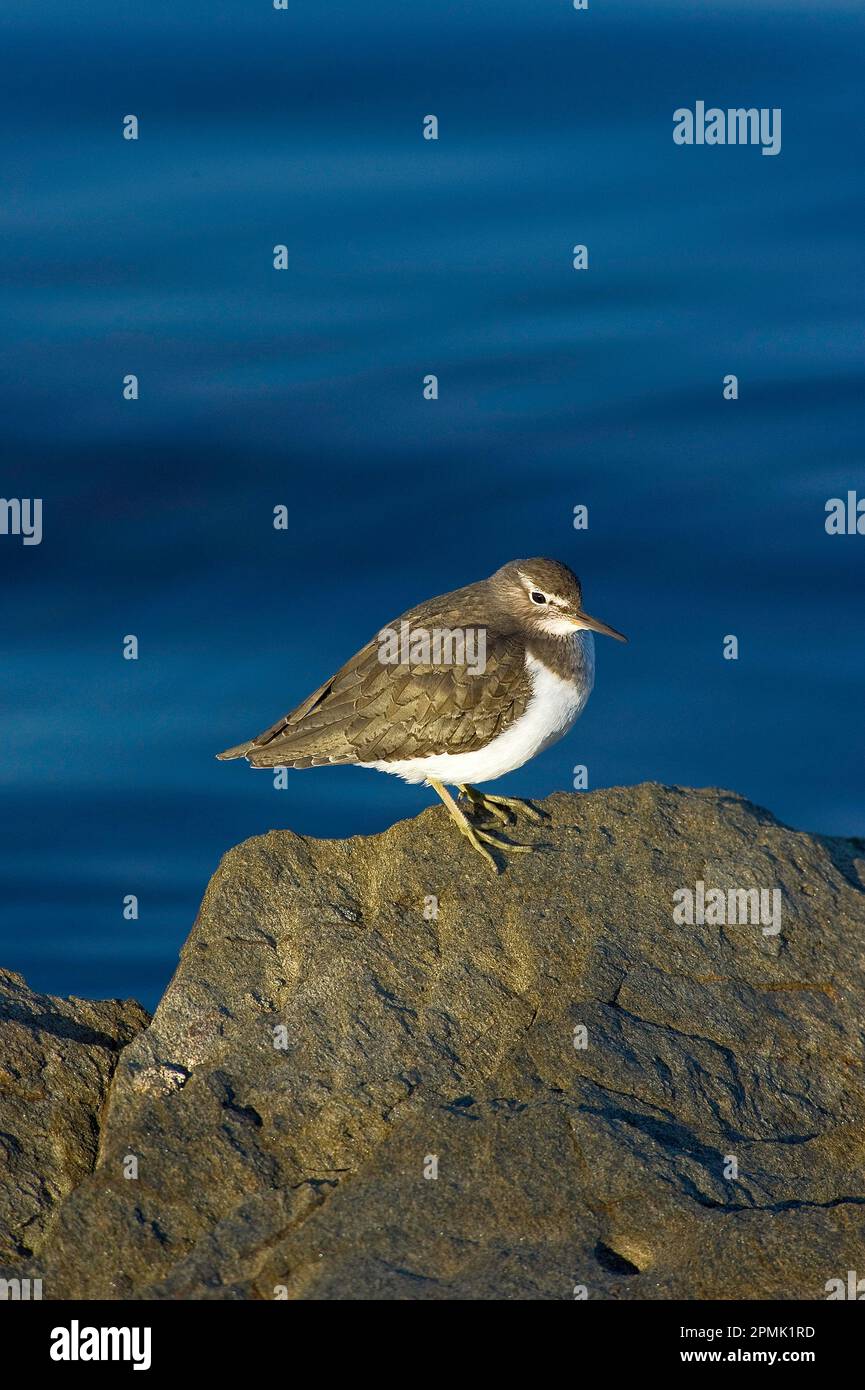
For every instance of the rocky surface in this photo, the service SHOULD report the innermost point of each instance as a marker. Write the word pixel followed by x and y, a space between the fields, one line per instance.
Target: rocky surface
pixel 57 1057
pixel 609 1100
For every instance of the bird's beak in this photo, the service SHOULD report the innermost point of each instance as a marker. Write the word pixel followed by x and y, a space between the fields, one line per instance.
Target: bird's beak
pixel 582 620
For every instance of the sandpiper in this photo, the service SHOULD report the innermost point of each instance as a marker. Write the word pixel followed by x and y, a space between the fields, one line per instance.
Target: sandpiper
pixel 460 689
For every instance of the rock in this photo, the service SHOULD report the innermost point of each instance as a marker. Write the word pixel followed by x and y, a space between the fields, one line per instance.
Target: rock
pixel 57 1057
pixel 350 1018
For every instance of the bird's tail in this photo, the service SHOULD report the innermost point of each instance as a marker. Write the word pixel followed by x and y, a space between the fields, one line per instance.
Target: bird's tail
pixel 239 751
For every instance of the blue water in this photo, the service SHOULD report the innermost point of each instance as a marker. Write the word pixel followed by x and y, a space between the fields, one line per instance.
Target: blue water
pixel 303 388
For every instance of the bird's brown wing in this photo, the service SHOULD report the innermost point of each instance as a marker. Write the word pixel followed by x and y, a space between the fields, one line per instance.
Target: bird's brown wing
pixel 373 711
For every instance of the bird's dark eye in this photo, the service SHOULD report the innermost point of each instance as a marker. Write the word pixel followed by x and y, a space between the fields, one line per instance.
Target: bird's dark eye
pixel 536 597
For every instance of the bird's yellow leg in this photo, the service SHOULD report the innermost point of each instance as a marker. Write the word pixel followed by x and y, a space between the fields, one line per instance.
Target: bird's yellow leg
pixel 478 838
pixel 504 808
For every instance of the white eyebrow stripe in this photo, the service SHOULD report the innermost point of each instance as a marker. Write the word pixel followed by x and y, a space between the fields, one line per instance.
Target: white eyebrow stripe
pixel 536 588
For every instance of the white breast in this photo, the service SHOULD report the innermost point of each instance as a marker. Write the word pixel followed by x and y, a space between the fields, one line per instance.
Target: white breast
pixel 554 707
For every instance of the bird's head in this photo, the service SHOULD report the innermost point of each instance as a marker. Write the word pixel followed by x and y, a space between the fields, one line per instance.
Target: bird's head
pixel 544 596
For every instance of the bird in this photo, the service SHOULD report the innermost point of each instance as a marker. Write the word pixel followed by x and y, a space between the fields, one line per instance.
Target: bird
pixel 460 689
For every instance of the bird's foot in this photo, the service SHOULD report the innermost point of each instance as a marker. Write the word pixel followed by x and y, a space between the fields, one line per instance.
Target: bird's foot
pixel 503 808
pixel 481 838
pixel 477 838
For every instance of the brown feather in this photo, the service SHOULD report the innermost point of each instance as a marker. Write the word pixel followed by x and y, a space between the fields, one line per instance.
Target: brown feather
pixel 370 711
